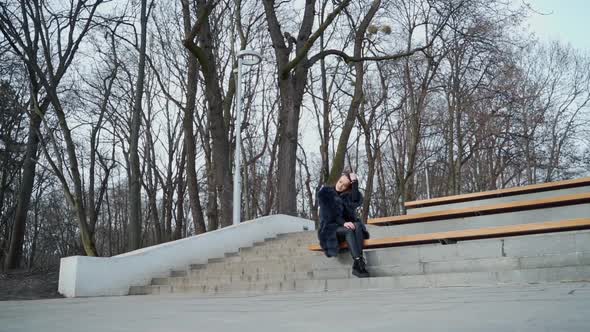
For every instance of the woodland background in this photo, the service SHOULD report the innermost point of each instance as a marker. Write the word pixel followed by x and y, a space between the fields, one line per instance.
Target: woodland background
pixel 117 117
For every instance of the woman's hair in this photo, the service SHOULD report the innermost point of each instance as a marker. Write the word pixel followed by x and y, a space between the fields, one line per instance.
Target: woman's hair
pixel 346 173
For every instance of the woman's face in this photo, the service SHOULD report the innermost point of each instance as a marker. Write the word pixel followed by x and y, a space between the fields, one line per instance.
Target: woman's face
pixel 343 184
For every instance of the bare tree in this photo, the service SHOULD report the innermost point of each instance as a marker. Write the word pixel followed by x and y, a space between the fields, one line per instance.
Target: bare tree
pixel 203 50
pixel 31 28
pixel 134 163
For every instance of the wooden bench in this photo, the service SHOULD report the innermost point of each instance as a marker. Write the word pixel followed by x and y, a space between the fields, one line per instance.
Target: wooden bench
pixel 472 234
pixel 483 210
pixel 500 193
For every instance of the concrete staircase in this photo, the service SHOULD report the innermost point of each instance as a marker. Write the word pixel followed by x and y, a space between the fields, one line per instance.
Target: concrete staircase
pixel 522 259
pixel 284 263
pixel 270 266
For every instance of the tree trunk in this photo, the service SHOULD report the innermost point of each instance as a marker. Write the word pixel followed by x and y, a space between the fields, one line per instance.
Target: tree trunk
pixel 189 137
pixel 35 232
pixel 357 98
pixel 287 154
pixel 178 227
pixel 15 250
pixel 212 207
pixel 135 172
pixel 292 78
pixel 213 94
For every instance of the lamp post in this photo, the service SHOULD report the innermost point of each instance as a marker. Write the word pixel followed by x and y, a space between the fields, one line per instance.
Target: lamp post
pixel 245 58
pixel 427 182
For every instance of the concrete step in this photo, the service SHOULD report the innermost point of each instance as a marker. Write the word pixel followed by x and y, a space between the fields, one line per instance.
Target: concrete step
pixel 502 219
pixel 217 289
pixel 563 243
pixel 532 258
pixel 497 200
pixel 231 278
pixel 265 259
pixel 178 273
pixel 250 275
pixel 297 235
pixel 291 250
pixel 268 257
pixel 458 266
pixel 253 268
pixel 460 279
pixel 457 279
pixel 287 240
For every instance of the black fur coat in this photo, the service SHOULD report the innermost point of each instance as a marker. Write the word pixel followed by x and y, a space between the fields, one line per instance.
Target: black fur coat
pixel 335 210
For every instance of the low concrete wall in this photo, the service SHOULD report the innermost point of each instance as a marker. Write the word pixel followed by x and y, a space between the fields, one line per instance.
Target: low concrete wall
pixel 81 276
pixel 499 200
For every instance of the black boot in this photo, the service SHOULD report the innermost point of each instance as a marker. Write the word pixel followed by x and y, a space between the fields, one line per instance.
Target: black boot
pixel 359 269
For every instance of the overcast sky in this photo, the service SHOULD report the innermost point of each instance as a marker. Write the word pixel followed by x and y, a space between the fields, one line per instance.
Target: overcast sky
pixel 565 20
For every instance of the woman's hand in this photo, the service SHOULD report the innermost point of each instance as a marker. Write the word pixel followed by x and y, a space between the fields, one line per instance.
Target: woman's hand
pixel 349 225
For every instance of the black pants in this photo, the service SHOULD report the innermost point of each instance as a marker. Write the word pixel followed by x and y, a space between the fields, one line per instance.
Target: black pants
pixel 353 237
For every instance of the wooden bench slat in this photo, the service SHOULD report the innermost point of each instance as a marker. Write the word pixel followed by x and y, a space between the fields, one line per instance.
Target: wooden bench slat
pixel 500 193
pixel 473 234
pixel 482 210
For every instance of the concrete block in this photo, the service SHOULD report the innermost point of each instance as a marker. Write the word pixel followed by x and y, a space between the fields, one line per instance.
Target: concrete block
pixel 549 261
pixel 472 265
pixel 396 270
pixel 578 273
pixel 479 249
pixel 139 290
pixel 160 281
pixel 178 273
pixel 161 289
pixel 321 262
pixel 312 285
pixel 343 284
pixel 336 273
pixel 210 277
pixel 582 239
pixel 461 279
pixel 392 256
pixel 193 267
pixel 584 258
pixel 535 245
pixel 438 252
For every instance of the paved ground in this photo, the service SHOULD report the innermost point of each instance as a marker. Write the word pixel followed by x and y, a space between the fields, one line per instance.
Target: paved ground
pixel 549 307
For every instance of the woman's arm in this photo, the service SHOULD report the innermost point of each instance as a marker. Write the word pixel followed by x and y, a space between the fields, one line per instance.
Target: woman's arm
pixel 356 198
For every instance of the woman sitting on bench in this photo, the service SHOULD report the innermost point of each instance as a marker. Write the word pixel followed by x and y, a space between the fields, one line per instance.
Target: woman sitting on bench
pixel 339 221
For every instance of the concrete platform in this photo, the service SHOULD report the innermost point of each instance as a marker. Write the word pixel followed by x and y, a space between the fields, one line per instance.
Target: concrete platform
pixel 546 307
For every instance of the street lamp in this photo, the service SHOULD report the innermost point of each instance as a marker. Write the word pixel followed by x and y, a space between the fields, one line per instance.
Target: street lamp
pixel 245 58
pixel 427 181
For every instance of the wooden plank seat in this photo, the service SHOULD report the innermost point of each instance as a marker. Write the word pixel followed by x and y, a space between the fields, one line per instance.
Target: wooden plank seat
pixel 483 210
pixel 500 193
pixel 472 234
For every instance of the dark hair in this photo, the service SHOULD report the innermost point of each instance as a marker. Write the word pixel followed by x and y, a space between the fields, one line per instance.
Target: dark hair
pixel 346 173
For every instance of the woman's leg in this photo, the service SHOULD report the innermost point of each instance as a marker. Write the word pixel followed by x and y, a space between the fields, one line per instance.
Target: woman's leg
pixel 352 239
pixel 349 235
pixel 359 236
pixel 361 270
